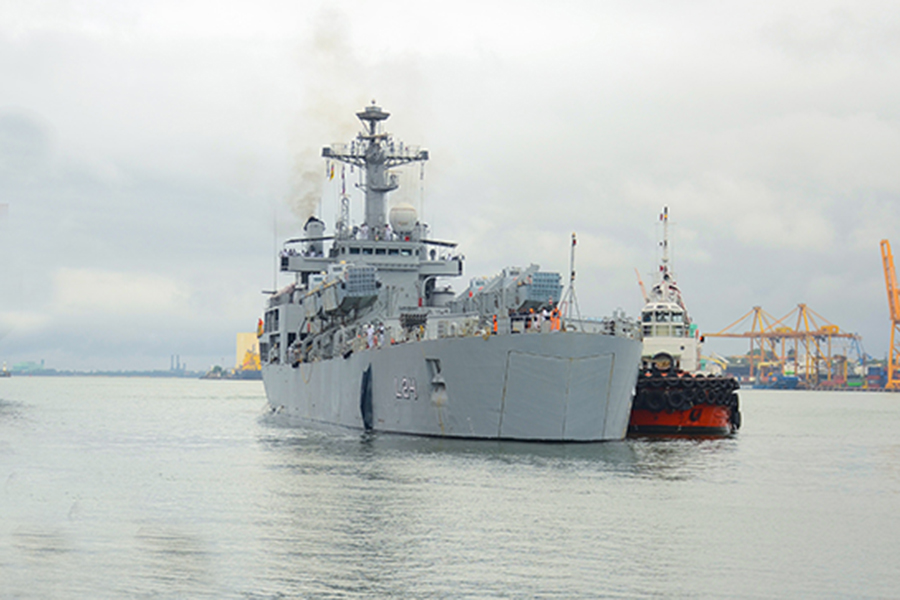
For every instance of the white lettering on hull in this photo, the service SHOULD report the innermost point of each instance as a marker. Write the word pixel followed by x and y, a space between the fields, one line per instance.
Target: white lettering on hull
pixel 406 388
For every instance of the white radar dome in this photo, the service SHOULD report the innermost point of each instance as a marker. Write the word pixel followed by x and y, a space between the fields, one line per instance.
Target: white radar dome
pixel 403 218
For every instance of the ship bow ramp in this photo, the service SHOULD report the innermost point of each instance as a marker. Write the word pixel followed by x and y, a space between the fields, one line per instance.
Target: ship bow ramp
pixel 541 392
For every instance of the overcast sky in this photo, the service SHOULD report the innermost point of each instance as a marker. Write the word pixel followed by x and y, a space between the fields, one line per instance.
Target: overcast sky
pixel 151 154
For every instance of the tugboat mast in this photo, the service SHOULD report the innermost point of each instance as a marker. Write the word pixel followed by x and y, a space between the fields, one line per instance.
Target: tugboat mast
pixel 666 289
pixel 665 241
pixel 375 151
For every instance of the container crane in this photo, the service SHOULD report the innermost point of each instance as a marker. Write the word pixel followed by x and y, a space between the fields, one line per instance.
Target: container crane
pixel 807 345
pixel 893 293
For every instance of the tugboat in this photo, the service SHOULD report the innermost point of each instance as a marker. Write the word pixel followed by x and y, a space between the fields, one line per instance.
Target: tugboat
pixel 368 336
pixel 673 397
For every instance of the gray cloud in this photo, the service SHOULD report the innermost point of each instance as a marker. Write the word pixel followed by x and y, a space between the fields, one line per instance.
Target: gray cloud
pixel 146 151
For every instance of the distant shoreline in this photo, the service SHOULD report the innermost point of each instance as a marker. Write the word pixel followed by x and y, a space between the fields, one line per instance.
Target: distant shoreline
pixel 57 373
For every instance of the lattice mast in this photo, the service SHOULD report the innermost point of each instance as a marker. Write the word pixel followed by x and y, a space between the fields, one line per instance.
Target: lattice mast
pixel 343 225
pixel 570 300
pixel 893 293
pixel 375 152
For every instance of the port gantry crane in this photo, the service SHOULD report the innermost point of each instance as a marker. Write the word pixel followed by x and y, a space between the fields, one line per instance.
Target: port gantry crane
pixel 893 293
pixel 811 337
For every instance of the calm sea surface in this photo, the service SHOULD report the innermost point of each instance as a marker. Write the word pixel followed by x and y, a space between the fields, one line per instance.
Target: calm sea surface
pixel 167 488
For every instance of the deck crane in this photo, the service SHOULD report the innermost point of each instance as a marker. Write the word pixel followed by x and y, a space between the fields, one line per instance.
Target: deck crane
pixel 893 292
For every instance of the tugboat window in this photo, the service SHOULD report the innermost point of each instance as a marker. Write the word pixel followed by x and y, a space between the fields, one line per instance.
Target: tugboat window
pixel 647 317
pixel 662 316
pixel 677 317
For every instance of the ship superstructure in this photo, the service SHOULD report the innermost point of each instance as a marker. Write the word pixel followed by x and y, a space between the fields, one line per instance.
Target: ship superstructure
pixel 370 336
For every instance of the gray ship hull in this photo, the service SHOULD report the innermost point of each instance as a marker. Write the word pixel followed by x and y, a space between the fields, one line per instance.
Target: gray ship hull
pixel 560 386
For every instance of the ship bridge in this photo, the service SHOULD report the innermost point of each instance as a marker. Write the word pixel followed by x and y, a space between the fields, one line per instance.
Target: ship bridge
pixel 394 255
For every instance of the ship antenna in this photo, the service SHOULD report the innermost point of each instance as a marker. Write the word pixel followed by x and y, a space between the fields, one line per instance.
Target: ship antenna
pixel 345 205
pixel 665 243
pixel 570 299
pixel 667 288
pixel 275 248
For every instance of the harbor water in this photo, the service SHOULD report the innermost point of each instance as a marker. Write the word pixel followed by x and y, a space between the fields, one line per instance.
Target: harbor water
pixel 174 488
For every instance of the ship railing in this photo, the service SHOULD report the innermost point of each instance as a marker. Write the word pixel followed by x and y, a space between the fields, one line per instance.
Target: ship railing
pixel 535 323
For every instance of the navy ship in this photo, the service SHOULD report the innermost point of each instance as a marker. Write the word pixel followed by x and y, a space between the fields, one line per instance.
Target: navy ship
pixel 370 336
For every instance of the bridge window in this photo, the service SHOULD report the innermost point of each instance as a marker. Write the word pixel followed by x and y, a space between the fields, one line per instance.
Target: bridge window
pixel 662 316
pixel 647 317
pixel 379 250
pixel 354 250
pixel 678 317
pixel 367 251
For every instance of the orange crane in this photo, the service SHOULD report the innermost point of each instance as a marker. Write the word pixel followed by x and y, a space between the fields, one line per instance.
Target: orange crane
pixel 643 289
pixel 890 280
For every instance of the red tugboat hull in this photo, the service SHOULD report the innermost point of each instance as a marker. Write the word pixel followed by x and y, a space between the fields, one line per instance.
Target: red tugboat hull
pixel 671 402
pixel 700 420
